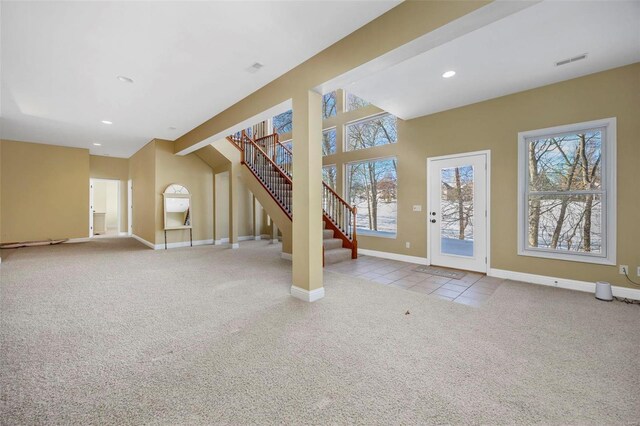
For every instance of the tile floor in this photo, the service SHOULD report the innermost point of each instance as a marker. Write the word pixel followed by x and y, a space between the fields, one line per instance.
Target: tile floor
pixel 473 289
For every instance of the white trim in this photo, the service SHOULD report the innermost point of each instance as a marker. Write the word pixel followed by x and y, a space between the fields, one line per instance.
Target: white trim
pixel 235 245
pixel 257 238
pixel 183 244
pixel 395 256
pixel 225 240
pixel 588 287
pixel 123 234
pixel 286 256
pixel 77 240
pixel 274 241
pixel 143 241
pixel 609 239
pixel 306 295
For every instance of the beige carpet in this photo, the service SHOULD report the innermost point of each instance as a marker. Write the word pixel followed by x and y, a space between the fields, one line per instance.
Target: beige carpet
pixel 110 332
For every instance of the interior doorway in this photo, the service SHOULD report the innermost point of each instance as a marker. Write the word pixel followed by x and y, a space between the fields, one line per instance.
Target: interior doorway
pixel 458 211
pixel 104 209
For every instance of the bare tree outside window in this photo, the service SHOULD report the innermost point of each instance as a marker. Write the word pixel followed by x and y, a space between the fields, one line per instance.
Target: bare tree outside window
pixel 283 123
pixel 379 130
pixel 565 193
pixel 329 176
pixel 329 142
pixel 353 102
pixel 373 190
pixel 329 105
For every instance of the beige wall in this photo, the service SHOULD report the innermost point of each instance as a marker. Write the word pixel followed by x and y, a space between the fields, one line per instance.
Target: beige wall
pixel 117 169
pixel 494 125
pixel 197 177
pixel 142 171
pixel 45 192
pixel 221 205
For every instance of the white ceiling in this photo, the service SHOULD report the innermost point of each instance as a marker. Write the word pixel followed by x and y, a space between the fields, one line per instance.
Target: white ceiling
pixel 513 54
pixel 188 61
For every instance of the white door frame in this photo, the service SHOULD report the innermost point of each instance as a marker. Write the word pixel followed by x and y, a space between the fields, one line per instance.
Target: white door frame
pixel 487 154
pixel 130 207
pixel 91 182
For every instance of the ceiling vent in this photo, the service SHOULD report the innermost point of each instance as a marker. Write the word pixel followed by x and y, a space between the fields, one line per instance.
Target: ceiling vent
pixel 569 60
pixel 255 68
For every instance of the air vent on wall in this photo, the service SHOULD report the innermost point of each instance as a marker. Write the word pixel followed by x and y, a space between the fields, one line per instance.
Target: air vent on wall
pixel 569 60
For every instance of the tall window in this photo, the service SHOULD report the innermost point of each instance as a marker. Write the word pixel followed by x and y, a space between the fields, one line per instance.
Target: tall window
pixel 283 123
pixel 329 175
pixel 373 190
pixel 329 142
pixel 329 105
pixel 370 132
pixel 567 192
pixel 353 102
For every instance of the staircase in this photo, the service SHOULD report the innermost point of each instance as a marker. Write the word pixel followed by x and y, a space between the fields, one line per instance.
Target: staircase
pixel 271 163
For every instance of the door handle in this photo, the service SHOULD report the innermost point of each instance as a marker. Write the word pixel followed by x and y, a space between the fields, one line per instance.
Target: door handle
pixel 433 221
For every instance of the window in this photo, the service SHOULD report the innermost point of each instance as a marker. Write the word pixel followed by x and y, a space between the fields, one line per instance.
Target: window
pixel 283 123
pixel 329 105
pixel 375 131
pixel 329 142
pixel 373 190
pixel 329 175
pixel 567 192
pixel 353 102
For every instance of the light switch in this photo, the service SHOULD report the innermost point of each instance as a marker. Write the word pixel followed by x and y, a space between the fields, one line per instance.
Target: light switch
pixel 417 208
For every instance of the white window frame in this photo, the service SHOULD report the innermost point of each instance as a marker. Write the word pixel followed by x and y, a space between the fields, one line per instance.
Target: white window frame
pixel 345 147
pixel 608 255
pixel 347 192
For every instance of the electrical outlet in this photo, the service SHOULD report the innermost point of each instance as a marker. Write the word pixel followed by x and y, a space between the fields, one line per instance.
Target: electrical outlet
pixel 408 245
pixel 624 269
pixel 417 208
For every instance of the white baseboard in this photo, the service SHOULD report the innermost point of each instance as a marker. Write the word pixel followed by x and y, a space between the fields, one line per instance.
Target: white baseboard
pixel 306 295
pixel 172 245
pixel 286 256
pixel 276 241
pixel 184 244
pixel 77 240
pixel 123 234
pixel 226 240
pixel 585 286
pixel 257 238
pixel 143 241
pixel 394 256
pixel 235 245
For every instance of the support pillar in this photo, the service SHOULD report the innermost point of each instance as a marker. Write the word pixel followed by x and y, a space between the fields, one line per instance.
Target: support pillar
pixel 307 197
pixel 234 188
pixel 274 233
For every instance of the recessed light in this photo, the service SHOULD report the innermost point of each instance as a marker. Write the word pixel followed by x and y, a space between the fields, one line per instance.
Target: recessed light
pixel 124 79
pixel 172 128
pixel 106 122
pixel 97 144
pixel 448 74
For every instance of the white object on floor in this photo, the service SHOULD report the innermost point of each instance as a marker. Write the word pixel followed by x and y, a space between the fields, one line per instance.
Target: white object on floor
pixel 603 291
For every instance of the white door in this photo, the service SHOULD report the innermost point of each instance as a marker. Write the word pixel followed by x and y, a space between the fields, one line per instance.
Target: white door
pixel 457 213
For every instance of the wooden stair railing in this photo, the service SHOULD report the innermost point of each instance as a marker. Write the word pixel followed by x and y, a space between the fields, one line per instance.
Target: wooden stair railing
pixel 272 164
pixel 272 178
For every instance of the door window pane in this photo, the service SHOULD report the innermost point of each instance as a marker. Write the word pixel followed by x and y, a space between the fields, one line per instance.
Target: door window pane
pixel 456 211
